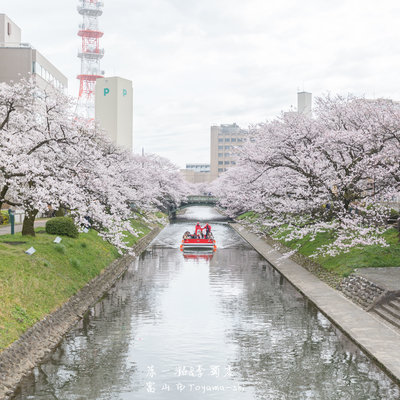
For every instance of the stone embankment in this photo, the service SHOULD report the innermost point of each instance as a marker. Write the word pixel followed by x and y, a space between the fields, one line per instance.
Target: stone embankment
pixel 376 290
pixel 361 290
pixel 18 360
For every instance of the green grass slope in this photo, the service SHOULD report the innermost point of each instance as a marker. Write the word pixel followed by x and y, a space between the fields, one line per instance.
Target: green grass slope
pixel 343 264
pixel 33 286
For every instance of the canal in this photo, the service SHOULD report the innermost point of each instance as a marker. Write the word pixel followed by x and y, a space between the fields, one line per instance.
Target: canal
pixel 205 326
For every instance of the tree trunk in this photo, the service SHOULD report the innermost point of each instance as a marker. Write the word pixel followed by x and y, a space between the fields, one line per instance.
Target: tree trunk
pixel 60 212
pixel 28 227
pixel 346 203
pixel 398 226
pixel 3 193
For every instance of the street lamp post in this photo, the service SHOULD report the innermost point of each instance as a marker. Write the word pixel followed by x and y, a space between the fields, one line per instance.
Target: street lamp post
pixel 12 220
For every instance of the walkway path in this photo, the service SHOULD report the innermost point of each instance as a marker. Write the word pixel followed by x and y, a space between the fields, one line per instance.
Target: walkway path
pixel 378 340
pixel 6 230
pixel 386 278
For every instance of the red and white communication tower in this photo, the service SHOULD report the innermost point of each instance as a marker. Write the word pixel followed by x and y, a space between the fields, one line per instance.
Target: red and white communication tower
pixel 90 55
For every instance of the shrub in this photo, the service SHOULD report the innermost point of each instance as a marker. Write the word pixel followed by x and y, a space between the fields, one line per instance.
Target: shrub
pixel 4 217
pixel 62 226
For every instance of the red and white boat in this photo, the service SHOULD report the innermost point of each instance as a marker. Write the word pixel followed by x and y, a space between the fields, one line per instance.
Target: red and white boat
pixel 208 244
pixel 198 241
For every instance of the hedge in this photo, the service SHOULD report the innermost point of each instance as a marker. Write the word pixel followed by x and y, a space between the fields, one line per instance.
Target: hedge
pixel 62 226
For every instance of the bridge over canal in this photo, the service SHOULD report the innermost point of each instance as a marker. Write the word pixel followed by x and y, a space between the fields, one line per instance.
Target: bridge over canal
pixel 199 201
pixel 194 200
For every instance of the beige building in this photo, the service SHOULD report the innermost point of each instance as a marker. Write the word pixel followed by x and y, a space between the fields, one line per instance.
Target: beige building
pixel 225 141
pixel 20 60
pixel 197 173
pixel 195 177
pixel 114 109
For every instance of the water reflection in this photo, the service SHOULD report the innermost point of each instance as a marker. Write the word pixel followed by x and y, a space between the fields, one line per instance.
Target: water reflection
pixel 193 326
pixel 198 256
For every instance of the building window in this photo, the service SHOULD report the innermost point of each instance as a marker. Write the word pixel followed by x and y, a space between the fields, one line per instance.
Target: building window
pixel 220 147
pixel 220 170
pixel 233 162
pixel 227 147
pixel 227 139
pixel 46 75
pixel 227 154
pixel 220 162
pixel 8 29
pixel 233 140
pixel 220 140
pixel 220 154
pixel 226 162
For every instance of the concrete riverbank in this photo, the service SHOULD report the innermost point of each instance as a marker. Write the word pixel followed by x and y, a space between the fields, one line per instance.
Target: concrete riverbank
pixel 18 359
pixel 375 338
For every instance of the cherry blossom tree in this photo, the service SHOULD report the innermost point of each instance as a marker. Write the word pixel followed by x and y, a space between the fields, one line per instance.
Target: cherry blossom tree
pixel 331 173
pixel 49 158
pixel 169 187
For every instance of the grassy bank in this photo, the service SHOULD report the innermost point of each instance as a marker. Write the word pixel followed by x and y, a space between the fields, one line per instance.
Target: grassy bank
pixel 344 264
pixel 33 286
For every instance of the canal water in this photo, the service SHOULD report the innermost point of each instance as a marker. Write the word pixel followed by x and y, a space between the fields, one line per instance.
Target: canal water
pixel 223 325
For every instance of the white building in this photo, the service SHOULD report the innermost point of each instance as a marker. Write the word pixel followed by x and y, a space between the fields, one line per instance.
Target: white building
pixel 20 60
pixel 10 33
pixel 304 103
pixel 114 109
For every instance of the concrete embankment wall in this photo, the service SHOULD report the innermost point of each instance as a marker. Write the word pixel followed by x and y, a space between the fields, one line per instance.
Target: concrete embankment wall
pixel 378 340
pixel 18 360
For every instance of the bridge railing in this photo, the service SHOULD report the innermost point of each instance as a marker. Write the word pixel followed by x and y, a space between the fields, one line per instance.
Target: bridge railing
pixel 201 199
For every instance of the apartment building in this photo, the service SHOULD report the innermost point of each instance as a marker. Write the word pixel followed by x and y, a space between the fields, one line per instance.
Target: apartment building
pixel 226 139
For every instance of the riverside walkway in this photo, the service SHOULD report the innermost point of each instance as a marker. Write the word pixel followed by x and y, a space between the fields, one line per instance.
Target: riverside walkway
pixel 387 278
pixel 6 230
pixel 380 341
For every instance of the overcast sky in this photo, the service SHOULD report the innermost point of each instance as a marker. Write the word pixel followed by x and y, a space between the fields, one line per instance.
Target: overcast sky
pixel 196 63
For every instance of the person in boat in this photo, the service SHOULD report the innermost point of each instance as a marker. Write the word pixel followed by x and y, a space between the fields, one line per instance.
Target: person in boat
pixel 198 230
pixel 207 227
pixel 199 235
pixel 187 235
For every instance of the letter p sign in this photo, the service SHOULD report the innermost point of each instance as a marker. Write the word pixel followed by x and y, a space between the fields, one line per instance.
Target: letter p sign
pixel 124 92
pixel 106 91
